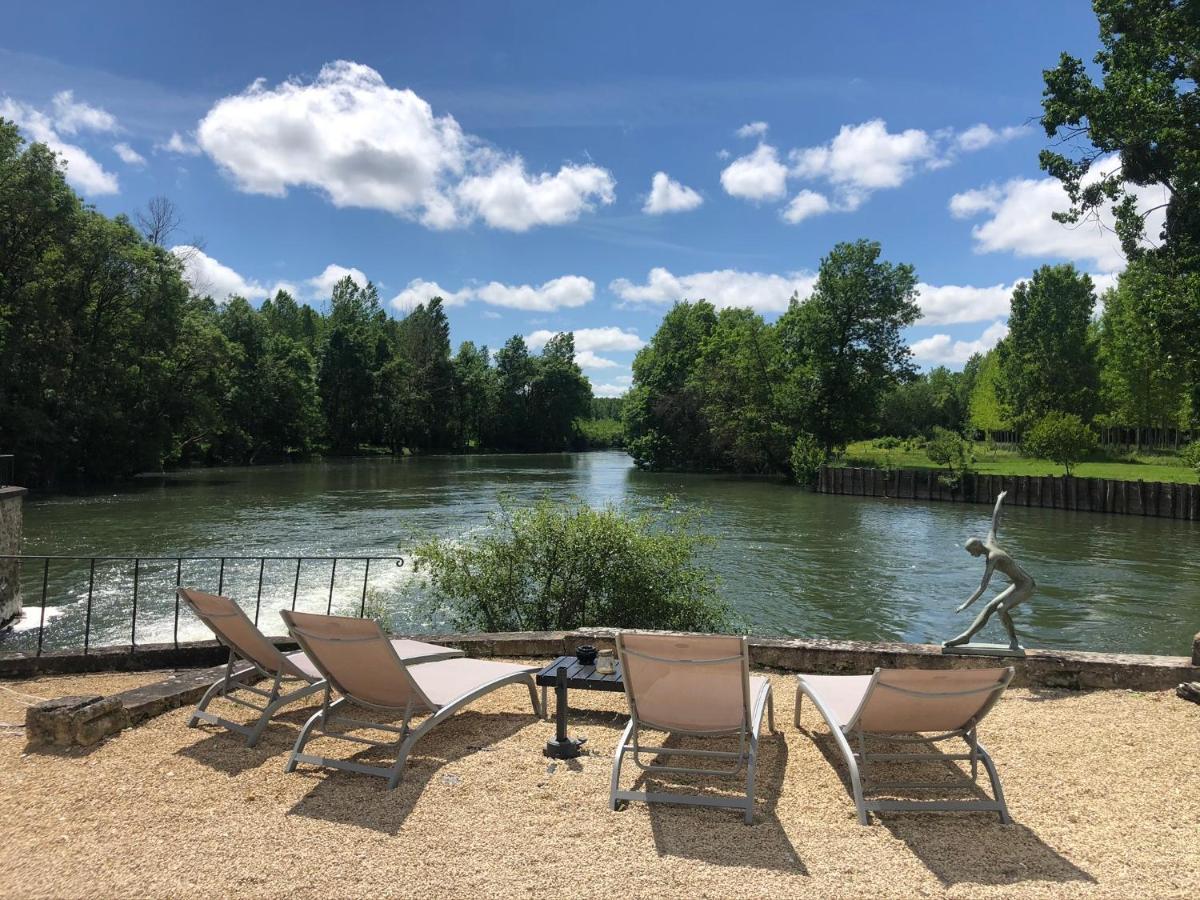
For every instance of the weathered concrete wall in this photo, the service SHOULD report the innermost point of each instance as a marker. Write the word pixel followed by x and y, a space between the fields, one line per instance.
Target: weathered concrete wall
pixel 1040 668
pixel 10 543
pixel 1105 495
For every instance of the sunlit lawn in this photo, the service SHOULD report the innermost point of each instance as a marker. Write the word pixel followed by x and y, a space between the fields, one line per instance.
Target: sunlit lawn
pixel 997 461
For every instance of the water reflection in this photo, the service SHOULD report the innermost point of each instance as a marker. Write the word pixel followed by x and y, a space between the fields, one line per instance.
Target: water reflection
pixel 791 562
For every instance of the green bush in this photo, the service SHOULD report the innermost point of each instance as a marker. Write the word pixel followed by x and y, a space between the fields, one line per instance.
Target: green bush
pixel 807 458
pixel 561 566
pixel 887 443
pixel 950 449
pixel 1191 455
pixel 600 434
pixel 1063 438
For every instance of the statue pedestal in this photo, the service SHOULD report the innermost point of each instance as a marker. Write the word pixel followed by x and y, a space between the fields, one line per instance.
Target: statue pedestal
pixel 982 650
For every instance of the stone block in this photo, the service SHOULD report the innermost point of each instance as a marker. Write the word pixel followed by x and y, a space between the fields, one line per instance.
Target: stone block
pixel 74 721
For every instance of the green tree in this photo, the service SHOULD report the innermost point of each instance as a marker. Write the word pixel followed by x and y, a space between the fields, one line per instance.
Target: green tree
pixel 477 389
pixel 842 347
pixel 735 377
pixel 984 410
pixel 514 372
pixel 350 366
pixel 1061 437
pixel 664 414
pixel 1048 360
pixel 1141 383
pixel 558 394
pixel 422 384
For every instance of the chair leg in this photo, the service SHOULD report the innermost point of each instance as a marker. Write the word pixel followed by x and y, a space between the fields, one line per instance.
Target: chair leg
pixel 322 716
pixel 848 754
pixel 771 710
pixel 211 694
pixel 997 790
pixel 279 703
pixel 539 709
pixel 618 758
pixel 751 768
pixel 799 697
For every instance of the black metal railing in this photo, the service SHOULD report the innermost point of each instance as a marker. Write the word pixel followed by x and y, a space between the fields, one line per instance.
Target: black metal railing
pixel 75 570
pixel 8 465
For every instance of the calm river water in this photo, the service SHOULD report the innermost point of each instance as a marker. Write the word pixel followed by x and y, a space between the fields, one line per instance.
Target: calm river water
pixel 791 562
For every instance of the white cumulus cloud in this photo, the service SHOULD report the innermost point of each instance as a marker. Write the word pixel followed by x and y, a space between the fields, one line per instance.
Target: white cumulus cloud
pixel 208 277
pixel 942 350
pixel 72 116
pixel 322 285
pixel 177 143
pixel 805 204
pixel 758 175
pixel 1019 220
pixel 420 291
pixel 508 197
pixel 977 137
pixel 668 196
pixel 752 130
pixel 566 292
pixel 864 158
pixel 83 171
pixel 366 144
pixel 614 388
pixel 608 338
pixel 763 292
pixel 950 304
pixel 128 155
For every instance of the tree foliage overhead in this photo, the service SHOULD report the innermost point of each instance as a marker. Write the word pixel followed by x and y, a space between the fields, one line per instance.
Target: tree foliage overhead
pixel 1144 109
pixel 112 365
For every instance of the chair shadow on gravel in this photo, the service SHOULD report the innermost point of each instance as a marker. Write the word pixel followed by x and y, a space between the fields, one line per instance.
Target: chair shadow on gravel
pixel 961 847
pixel 348 798
pixel 719 836
pixel 226 751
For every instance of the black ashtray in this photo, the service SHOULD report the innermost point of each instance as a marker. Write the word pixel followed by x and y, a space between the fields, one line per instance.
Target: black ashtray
pixel 586 655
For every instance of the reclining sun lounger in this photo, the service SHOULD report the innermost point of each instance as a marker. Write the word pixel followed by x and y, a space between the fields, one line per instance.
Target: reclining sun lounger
pixel 694 685
pixel 904 705
pixel 234 629
pixel 359 662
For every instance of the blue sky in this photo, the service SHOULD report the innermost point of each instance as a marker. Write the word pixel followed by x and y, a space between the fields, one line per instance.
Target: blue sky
pixel 507 155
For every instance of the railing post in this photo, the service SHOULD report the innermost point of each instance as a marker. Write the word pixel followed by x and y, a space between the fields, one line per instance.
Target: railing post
pixel 87 621
pixel 262 562
pixel 133 618
pixel 332 576
pixel 178 584
pixel 296 585
pixel 221 578
pixel 362 609
pixel 42 617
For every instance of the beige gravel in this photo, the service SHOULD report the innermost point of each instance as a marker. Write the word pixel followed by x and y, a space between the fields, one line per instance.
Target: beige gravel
pixel 1104 787
pixel 16 696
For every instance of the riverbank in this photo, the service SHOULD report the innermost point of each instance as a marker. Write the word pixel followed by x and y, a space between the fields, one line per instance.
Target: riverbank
pixel 482 813
pixel 1000 461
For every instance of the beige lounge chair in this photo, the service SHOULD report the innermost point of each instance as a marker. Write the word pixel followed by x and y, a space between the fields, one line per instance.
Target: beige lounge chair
pixel 358 661
pixel 694 685
pixel 234 629
pixel 910 706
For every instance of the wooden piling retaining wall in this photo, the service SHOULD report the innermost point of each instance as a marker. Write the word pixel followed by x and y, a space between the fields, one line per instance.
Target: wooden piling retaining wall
pixel 1104 495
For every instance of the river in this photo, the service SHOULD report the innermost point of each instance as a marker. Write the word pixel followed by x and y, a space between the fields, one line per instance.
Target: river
pixel 792 563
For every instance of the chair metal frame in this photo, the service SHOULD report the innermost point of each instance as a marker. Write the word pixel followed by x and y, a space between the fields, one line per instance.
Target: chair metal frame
pixel 858 761
pixel 744 758
pixel 406 737
pixel 230 682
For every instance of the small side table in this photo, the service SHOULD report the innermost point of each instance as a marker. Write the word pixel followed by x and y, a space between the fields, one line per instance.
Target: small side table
pixel 567 672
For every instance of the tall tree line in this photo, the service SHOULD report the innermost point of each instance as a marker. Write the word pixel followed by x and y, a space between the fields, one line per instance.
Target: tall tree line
pixel 111 365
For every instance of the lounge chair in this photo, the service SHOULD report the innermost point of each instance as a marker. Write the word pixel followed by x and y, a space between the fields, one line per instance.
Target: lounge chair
pixel 358 661
pixel 697 685
pixel 904 705
pixel 234 629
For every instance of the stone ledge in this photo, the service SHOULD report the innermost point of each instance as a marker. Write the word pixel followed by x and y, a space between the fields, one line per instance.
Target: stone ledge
pixel 1071 669
pixel 87 720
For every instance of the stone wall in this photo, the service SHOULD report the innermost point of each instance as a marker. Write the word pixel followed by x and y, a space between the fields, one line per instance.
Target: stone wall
pixel 10 543
pixel 1070 669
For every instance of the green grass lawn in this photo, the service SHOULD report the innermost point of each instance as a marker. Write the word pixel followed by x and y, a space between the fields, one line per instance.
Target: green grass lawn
pixel 997 461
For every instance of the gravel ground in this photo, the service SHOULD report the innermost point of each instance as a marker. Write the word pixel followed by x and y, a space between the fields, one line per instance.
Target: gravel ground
pixel 1104 787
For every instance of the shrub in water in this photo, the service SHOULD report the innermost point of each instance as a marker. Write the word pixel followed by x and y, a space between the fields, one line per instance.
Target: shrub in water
pixel 807 458
pixel 561 566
